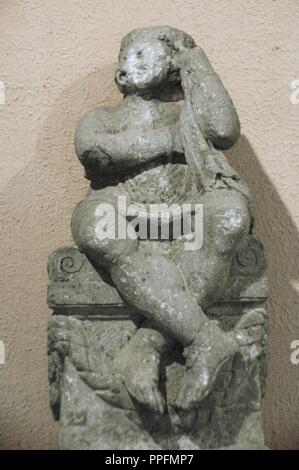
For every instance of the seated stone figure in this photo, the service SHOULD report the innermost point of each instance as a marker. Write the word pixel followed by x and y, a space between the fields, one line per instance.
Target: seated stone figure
pixel 162 144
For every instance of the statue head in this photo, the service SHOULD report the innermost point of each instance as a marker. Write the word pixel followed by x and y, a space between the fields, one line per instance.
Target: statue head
pixel 147 58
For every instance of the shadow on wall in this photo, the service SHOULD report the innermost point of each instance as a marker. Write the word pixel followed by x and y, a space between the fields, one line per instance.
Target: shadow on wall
pixel 38 204
pixel 275 228
pixel 35 211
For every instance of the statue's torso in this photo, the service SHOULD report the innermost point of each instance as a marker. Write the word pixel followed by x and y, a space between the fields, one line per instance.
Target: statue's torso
pixel 157 182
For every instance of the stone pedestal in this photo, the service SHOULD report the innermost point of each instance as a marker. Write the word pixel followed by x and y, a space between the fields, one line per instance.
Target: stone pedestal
pixel 90 324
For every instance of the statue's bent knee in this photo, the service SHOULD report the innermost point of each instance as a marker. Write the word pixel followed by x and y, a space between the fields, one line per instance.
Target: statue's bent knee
pixel 104 246
pixel 229 224
pixel 236 222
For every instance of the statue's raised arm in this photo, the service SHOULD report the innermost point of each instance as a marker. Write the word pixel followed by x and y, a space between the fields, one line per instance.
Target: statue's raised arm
pixel 213 108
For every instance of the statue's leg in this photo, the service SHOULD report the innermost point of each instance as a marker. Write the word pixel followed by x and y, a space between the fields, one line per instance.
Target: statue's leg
pixel 139 364
pixel 151 283
pixel 139 361
pixel 155 286
pixel 226 222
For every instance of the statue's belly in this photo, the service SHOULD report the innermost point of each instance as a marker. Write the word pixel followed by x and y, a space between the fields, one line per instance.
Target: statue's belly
pixel 165 184
pixel 171 183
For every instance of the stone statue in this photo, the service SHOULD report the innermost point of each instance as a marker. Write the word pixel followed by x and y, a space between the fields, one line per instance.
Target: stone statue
pixel 152 345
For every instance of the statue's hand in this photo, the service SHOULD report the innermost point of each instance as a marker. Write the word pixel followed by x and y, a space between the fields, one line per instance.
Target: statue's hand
pixel 183 60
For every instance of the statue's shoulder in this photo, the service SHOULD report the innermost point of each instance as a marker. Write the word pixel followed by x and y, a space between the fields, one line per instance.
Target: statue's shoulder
pixel 131 112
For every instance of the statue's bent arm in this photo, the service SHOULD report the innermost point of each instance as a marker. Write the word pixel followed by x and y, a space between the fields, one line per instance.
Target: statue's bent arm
pixel 213 108
pixel 124 149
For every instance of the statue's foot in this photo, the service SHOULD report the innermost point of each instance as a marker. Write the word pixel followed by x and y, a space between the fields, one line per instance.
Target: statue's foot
pixel 209 351
pixel 140 373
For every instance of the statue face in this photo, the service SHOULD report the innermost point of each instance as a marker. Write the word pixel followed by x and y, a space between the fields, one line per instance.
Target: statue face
pixel 142 66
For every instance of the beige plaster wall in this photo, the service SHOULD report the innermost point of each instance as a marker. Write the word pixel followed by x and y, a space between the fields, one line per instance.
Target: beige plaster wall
pixel 56 61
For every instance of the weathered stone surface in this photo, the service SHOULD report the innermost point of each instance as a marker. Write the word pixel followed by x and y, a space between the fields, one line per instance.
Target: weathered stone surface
pixel 96 411
pixel 158 340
